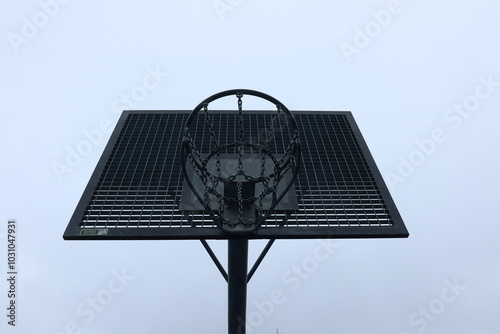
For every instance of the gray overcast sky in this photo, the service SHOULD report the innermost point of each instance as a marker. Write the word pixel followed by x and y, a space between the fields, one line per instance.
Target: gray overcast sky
pixel 422 79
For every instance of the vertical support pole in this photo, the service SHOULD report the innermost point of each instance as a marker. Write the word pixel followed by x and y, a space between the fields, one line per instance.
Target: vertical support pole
pixel 237 285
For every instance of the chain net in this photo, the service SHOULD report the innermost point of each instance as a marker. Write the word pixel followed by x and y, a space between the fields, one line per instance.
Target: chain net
pixel 230 197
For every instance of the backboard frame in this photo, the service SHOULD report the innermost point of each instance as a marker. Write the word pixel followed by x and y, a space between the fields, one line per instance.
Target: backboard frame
pixel 75 232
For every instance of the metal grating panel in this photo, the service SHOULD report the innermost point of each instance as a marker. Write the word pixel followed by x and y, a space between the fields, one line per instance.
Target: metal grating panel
pixel 136 188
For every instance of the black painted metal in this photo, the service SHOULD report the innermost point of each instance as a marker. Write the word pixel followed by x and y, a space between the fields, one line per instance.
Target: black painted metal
pixel 135 190
pixel 234 222
pixel 237 285
pixel 214 258
pixel 259 260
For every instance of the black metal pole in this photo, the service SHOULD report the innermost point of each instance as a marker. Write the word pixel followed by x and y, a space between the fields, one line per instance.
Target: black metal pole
pixel 237 285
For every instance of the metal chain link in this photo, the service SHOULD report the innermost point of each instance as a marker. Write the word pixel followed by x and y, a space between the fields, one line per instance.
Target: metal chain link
pixel 240 203
pixel 213 135
pixel 240 146
pixel 270 134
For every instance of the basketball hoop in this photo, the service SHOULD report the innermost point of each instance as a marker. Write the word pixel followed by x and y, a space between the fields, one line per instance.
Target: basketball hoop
pixel 240 183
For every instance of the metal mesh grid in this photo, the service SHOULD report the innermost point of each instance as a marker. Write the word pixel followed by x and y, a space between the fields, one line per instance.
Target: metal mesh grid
pixel 335 186
pixel 140 185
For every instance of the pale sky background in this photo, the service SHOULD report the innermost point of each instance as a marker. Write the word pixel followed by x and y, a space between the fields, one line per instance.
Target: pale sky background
pixel 422 79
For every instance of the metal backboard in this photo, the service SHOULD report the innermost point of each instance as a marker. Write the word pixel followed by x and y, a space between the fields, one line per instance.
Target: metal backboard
pixel 137 190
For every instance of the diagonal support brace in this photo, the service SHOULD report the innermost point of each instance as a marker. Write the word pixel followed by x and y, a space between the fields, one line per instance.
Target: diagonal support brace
pixel 259 260
pixel 214 258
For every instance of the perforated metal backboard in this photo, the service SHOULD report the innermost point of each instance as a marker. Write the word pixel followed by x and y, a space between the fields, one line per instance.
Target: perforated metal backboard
pixel 137 190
